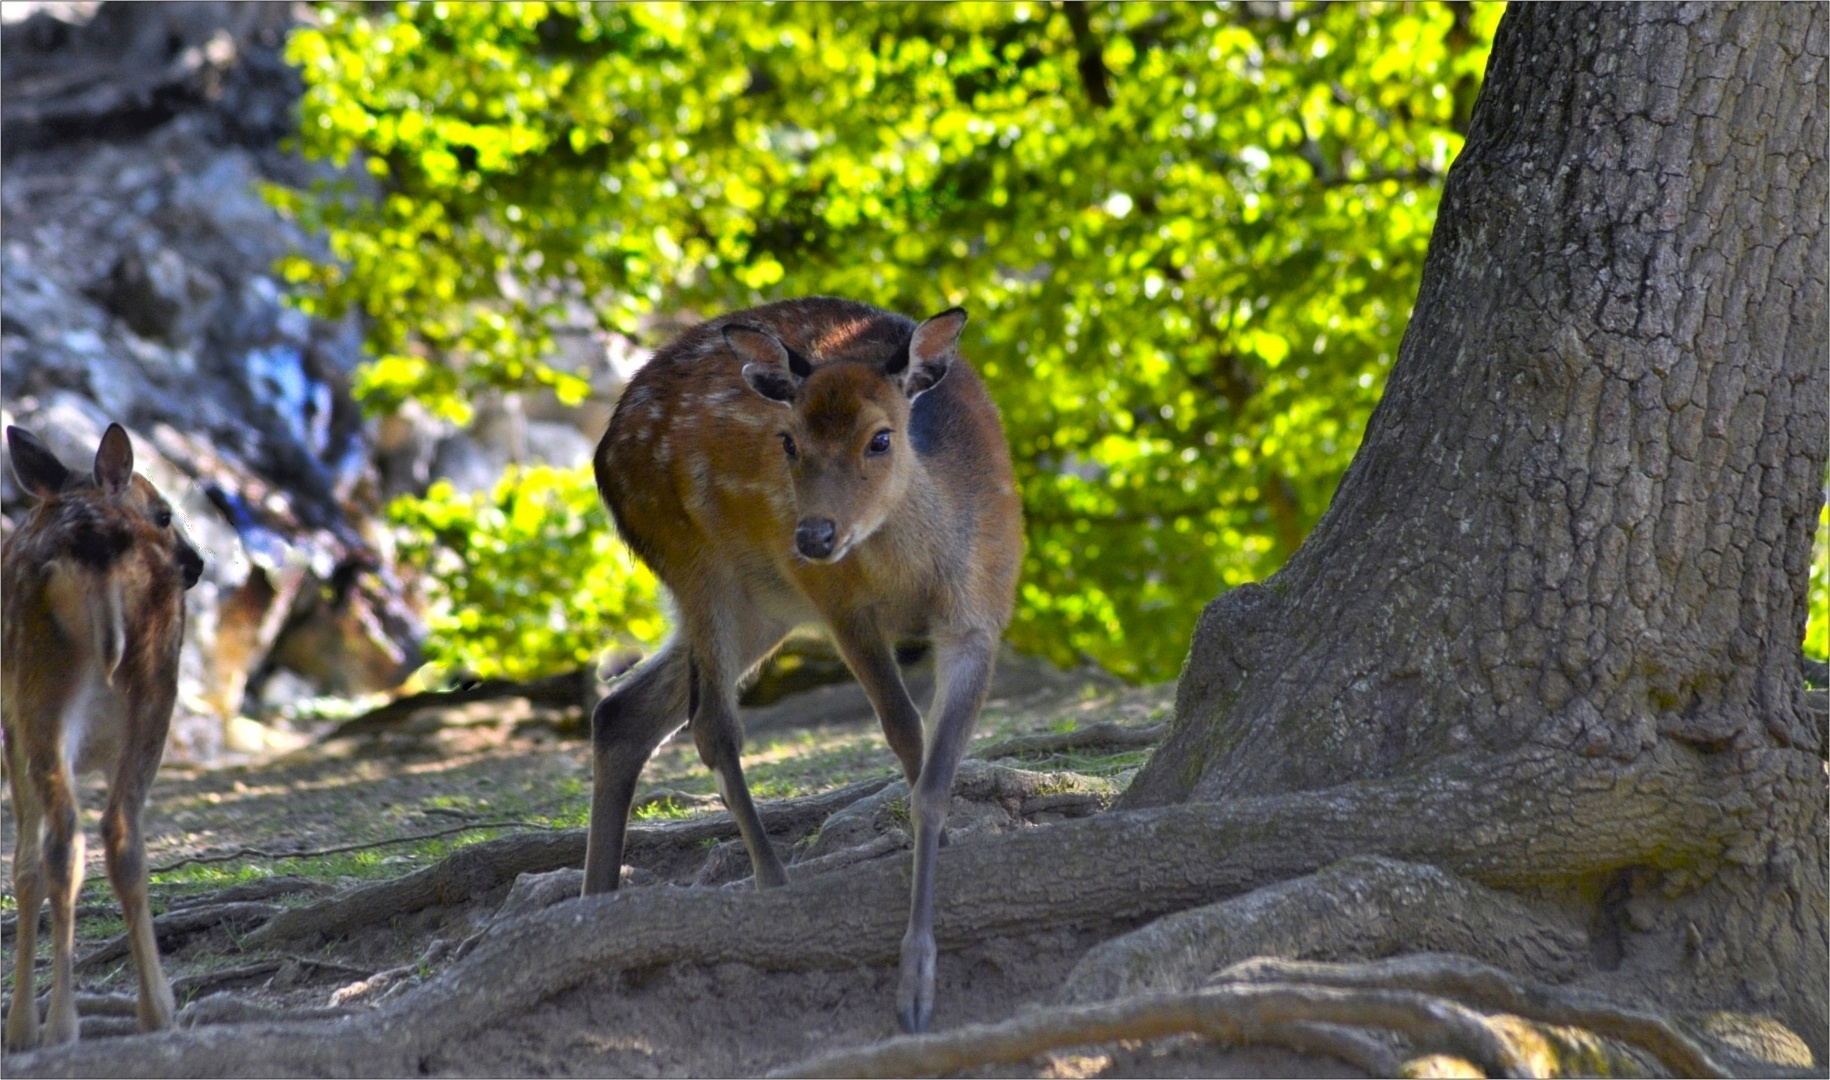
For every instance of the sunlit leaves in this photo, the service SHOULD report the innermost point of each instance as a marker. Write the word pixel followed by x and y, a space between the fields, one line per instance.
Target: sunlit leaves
pixel 527 579
pixel 1185 303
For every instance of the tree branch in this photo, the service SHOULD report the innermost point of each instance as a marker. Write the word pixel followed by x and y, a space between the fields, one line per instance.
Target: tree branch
pixel 1092 63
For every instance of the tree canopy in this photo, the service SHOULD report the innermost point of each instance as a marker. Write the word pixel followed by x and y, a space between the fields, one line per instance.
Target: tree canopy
pixel 1189 237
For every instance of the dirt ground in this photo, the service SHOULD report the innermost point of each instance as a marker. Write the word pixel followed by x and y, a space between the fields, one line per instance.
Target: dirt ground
pixel 267 833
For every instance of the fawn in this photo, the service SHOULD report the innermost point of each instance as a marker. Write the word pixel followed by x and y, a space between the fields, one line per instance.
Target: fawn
pixel 94 617
pixel 810 461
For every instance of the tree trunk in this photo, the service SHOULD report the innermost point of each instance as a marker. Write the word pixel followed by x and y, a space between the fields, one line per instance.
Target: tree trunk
pixel 1582 515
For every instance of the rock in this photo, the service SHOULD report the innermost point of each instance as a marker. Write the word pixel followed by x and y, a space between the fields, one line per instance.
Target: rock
pixel 557 444
pixel 134 287
pixel 159 295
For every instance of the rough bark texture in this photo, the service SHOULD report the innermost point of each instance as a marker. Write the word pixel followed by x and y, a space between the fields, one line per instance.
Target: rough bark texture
pixel 1581 518
pixel 1360 907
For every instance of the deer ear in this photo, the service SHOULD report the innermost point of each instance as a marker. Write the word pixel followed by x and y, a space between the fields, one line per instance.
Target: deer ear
pixel 33 463
pixel 769 367
pixel 114 460
pixel 932 349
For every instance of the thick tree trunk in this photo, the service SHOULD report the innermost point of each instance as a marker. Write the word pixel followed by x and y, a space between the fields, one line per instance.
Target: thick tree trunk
pixel 1582 515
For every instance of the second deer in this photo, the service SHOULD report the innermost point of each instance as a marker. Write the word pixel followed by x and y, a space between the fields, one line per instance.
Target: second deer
pixel 810 461
pixel 94 583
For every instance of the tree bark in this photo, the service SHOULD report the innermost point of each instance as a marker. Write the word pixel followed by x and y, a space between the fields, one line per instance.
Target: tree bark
pixel 1581 518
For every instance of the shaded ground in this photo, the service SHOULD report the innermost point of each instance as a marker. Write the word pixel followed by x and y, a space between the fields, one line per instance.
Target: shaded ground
pixel 454 776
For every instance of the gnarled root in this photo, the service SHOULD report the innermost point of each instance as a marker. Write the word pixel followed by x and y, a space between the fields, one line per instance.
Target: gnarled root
pixel 1491 990
pixel 1274 1014
pixel 1363 906
pixel 1448 1009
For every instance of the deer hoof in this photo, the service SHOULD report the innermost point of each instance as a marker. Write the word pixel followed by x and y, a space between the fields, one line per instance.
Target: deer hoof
pixel 915 998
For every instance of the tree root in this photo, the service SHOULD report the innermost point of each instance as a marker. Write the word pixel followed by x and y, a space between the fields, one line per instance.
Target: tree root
pixel 1364 906
pixel 474 871
pixel 176 925
pixel 1537 817
pixel 1272 1014
pixel 1485 987
pixel 87 1004
pixel 233 854
pixel 263 889
pixel 1100 736
pixel 1431 1000
pixel 195 986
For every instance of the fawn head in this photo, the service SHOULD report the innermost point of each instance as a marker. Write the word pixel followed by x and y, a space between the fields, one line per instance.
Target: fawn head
pixel 844 428
pixel 93 523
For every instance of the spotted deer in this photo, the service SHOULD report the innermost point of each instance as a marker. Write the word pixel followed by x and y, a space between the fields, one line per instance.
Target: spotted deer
pixel 94 583
pixel 810 461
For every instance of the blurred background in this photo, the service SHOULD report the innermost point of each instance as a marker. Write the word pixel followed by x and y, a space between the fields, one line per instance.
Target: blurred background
pixel 364 281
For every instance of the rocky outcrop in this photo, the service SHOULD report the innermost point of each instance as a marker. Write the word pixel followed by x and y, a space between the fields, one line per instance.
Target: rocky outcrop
pixel 136 285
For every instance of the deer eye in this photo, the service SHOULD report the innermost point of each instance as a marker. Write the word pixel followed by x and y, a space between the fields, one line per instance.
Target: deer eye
pixel 162 516
pixel 880 443
pixel 789 448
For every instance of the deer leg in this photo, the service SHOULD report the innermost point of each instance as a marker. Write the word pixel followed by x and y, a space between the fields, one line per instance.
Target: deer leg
pixel 722 644
pixel 643 708
pixel 28 887
pixel 963 669
pixel 63 865
pixel 125 852
pixel 873 661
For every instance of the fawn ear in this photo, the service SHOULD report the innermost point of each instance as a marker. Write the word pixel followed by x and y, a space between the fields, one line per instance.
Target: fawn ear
pixel 114 460
pixel 932 349
pixel 769 367
pixel 34 464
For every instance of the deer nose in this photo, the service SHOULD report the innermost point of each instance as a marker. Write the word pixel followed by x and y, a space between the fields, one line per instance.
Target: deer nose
pixel 190 564
pixel 814 537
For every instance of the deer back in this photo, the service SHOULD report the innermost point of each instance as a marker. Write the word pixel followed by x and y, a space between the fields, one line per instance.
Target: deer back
pixel 790 435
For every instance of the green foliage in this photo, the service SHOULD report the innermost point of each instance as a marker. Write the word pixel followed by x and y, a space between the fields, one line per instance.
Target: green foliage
pixel 527 579
pixel 1817 628
pixel 1189 235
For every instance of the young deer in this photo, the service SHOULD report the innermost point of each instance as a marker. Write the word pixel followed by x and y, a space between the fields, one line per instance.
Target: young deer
pixel 94 583
pixel 812 460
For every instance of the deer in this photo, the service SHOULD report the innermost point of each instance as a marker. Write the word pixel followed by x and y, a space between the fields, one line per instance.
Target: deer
pixel 809 462
pixel 94 581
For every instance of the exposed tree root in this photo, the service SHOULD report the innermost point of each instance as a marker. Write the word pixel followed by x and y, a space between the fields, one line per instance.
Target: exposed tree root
pixel 473 871
pixel 1485 987
pixel 311 853
pixel 194 986
pixel 263 889
pixel 1361 907
pixel 1541 816
pixel 1100 736
pixel 1273 1014
pixel 173 927
pixel 87 1004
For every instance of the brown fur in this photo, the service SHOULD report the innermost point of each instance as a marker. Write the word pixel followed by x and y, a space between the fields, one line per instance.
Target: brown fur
pixel 94 617
pixel 921 540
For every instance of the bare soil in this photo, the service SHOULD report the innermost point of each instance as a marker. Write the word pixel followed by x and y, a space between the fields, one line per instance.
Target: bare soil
pixel 253 828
